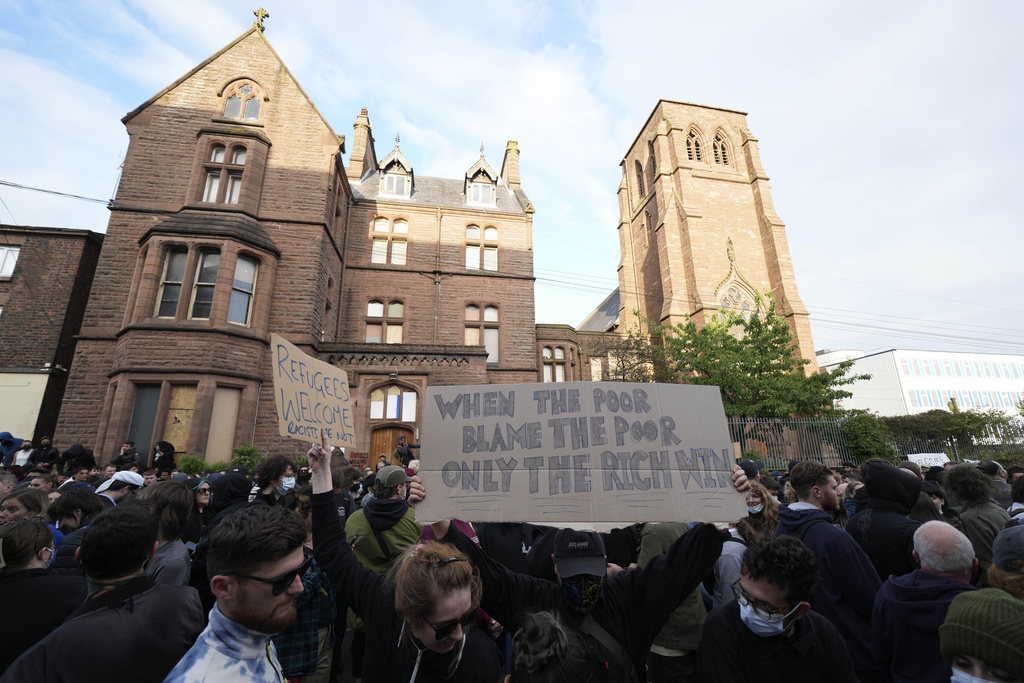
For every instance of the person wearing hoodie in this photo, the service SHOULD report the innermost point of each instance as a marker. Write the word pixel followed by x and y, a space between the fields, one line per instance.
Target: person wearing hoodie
pixel 883 529
pixel 230 493
pixel 848 584
pixel 75 458
pixel 163 459
pixel 909 609
pixel 9 446
pixel 45 454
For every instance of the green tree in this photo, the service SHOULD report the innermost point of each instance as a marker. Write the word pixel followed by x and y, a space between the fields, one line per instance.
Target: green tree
pixel 957 433
pixel 754 362
pixel 869 437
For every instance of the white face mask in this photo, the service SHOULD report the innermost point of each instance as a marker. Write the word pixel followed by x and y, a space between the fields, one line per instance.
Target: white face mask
pixel 755 509
pixel 964 677
pixel 761 626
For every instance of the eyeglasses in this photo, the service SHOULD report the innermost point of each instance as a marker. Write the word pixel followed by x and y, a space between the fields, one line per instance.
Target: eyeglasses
pixel 206 490
pixel 442 631
pixel 761 609
pixel 279 584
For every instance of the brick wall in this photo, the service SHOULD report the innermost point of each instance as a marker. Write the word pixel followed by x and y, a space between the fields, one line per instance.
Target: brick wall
pixel 45 303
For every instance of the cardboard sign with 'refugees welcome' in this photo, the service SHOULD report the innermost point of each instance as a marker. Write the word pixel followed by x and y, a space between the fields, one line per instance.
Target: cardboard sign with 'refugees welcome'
pixel 577 452
pixel 310 395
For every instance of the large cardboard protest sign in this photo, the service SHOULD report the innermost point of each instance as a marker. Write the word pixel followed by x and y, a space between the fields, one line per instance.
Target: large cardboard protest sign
pixel 310 395
pixel 577 452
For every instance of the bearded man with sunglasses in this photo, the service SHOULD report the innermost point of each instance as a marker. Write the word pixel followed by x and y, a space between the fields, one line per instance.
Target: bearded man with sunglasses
pixel 255 564
pixel 770 633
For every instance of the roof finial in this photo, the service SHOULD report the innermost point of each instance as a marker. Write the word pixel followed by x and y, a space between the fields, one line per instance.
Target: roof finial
pixel 261 14
pixel 398 138
pixel 481 149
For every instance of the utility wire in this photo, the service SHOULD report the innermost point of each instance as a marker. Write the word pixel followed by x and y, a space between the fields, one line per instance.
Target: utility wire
pixel 853 321
pixel 45 191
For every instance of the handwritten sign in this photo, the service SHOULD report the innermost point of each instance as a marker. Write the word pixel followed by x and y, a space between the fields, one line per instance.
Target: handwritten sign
pixel 310 395
pixel 577 452
pixel 929 459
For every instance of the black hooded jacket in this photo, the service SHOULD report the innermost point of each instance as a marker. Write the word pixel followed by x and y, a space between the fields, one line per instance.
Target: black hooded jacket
pixel 883 529
pixel 230 493
pixel 76 457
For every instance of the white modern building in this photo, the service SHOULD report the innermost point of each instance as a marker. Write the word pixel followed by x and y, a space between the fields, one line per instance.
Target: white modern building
pixel 905 382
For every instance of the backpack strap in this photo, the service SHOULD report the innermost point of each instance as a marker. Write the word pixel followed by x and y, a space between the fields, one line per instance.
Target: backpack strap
pixel 801 530
pixel 388 555
pixel 591 627
pixel 736 539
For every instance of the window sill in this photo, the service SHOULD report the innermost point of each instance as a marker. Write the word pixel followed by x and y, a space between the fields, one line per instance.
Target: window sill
pixel 239 122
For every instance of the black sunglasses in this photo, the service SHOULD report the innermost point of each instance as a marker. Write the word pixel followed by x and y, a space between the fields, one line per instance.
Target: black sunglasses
pixel 442 631
pixel 279 584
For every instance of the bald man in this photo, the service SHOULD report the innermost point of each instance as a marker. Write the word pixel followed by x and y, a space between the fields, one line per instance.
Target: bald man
pixel 909 609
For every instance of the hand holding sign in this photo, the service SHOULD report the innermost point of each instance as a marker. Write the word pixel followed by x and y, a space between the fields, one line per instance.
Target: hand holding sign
pixel 319 457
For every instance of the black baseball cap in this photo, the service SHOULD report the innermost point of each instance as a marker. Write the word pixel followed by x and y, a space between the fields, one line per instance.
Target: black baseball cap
pixel 579 552
pixel 751 468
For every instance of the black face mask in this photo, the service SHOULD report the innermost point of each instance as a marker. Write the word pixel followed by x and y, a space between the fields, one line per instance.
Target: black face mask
pixel 581 592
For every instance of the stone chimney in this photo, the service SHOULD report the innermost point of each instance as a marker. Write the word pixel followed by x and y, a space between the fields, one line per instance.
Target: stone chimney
pixel 364 158
pixel 510 166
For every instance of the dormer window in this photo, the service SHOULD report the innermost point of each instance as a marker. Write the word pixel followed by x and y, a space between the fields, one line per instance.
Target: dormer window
pixel 480 182
pixel 243 101
pixel 394 184
pixel 396 175
pixel 481 193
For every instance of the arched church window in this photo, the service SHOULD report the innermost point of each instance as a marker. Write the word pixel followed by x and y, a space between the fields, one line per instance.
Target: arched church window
pixel 693 151
pixel 721 150
pixel 243 101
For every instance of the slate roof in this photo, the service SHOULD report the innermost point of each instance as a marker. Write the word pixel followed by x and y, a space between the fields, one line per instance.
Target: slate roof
pixel 443 192
pixel 229 225
pixel 604 316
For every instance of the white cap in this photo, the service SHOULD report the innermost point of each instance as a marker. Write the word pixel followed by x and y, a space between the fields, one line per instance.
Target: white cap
pixel 133 478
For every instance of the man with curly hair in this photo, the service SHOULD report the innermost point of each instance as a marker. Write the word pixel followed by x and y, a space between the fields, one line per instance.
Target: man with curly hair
pixel 770 633
pixel 981 517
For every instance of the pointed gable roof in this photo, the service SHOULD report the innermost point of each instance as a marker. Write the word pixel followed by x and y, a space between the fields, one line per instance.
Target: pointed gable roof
pixel 206 62
pixel 395 156
pixel 481 165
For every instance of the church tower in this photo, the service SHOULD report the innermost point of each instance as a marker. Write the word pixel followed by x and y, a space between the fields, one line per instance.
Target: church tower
pixel 697 230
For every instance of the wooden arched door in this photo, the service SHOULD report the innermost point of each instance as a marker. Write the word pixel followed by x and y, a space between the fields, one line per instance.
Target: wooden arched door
pixel 383 440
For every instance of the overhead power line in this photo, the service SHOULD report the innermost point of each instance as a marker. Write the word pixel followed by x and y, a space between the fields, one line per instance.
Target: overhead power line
pixel 54 192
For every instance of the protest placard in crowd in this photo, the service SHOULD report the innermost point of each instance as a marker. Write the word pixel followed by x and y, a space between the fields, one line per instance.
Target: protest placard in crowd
pixel 577 452
pixel 310 395
pixel 929 459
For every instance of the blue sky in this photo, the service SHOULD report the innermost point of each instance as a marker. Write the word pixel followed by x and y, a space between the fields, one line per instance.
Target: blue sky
pixel 888 129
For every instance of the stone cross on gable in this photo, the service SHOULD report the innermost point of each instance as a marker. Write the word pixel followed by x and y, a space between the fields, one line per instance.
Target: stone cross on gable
pixel 261 14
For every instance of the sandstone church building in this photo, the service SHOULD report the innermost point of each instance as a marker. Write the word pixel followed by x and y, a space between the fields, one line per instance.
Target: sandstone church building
pixel 235 218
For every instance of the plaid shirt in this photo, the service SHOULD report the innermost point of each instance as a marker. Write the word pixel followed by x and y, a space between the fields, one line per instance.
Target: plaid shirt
pixel 297 647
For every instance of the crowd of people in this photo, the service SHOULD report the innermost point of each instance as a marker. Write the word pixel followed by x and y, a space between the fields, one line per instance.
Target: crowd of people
pixel 869 572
